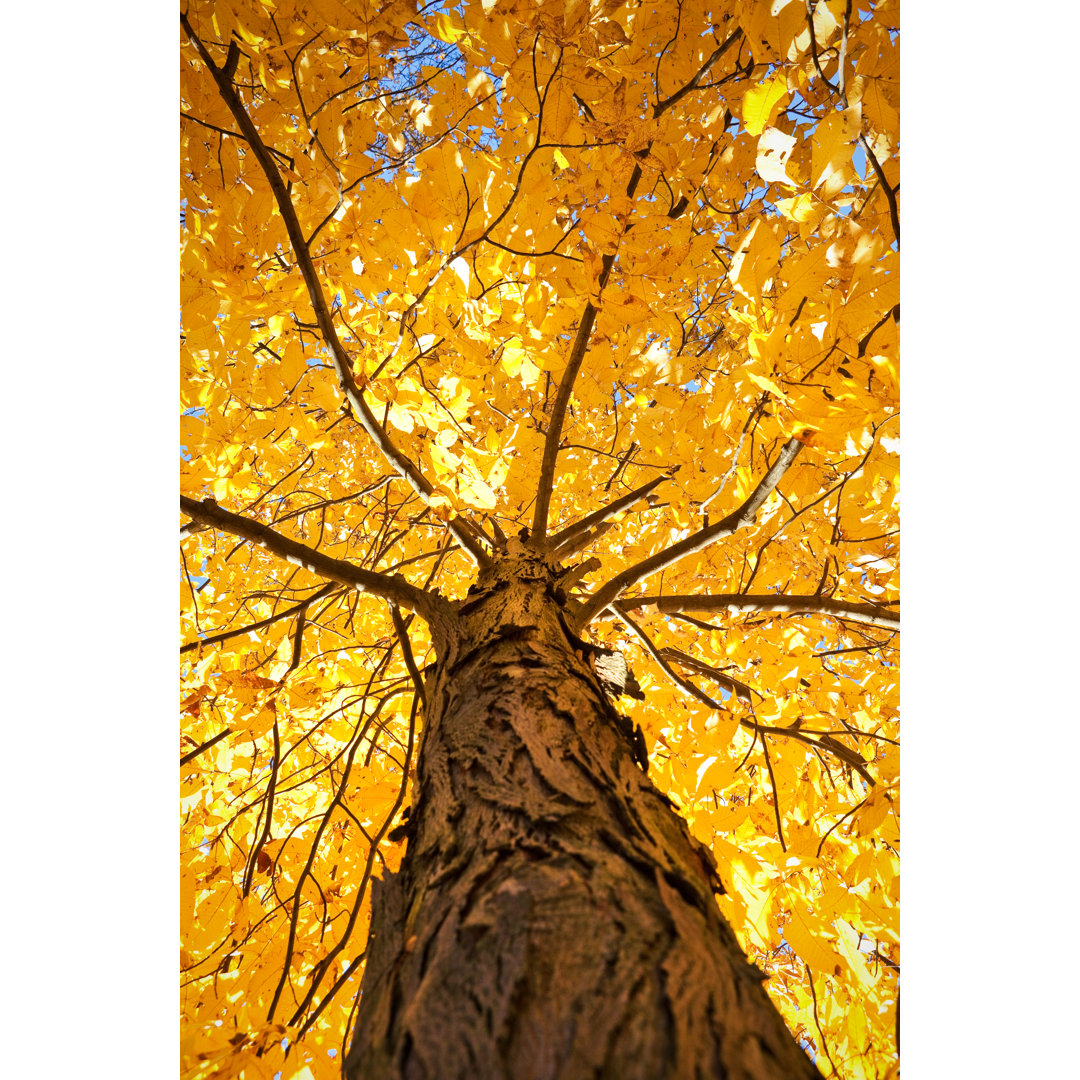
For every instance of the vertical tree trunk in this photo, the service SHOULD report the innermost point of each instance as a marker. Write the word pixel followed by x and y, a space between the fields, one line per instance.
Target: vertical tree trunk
pixel 552 918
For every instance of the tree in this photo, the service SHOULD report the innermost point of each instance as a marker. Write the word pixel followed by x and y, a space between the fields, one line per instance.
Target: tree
pixel 539 565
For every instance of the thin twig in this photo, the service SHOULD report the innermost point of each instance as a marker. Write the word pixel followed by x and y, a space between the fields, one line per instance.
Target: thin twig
pixel 817 1022
pixel 271 790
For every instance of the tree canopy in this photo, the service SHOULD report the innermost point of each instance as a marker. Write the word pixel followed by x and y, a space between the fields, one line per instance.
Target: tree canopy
pixel 618 276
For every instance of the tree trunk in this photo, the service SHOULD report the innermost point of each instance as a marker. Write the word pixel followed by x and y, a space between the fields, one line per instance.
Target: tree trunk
pixel 552 917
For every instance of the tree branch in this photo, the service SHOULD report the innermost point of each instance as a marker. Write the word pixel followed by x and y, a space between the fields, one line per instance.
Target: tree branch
pixel 824 742
pixel 775 792
pixel 662 107
pixel 555 420
pixel 568 540
pixel 890 192
pixel 566 385
pixel 191 755
pixel 215 639
pixel 588 318
pixel 721 678
pixel 342 361
pixel 656 654
pixel 402 630
pixel 774 603
pixel 742 517
pixel 428 606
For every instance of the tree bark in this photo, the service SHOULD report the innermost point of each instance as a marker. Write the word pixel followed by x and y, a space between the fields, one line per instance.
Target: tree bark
pixel 552 917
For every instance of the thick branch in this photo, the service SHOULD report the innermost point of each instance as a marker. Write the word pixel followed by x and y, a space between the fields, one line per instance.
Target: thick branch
pixel 402 630
pixel 588 318
pixel 742 517
pixel 774 603
pixel 342 361
pixel 555 421
pixel 567 541
pixel 391 587
pixel 566 385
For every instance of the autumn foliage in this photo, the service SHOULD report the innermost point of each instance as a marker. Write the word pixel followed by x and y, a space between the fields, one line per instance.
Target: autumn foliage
pixel 454 272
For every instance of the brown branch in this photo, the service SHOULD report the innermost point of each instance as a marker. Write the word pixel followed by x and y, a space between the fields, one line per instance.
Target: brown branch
pixel 657 655
pixel 569 540
pixel 852 758
pixel 817 1022
pixel 298 643
pixel 306 872
pixel 830 745
pixel 890 192
pixel 215 639
pixel 323 966
pixel 695 542
pixel 264 836
pixel 892 313
pixel 555 420
pixel 428 606
pixel 402 630
pixel 772 603
pixel 814 50
pixel 721 678
pixel 583 540
pixel 342 361
pixel 755 412
pixel 193 754
pixel 588 318
pixel 776 793
pixel 841 93
pixel 546 482
pixel 839 821
pixel 662 106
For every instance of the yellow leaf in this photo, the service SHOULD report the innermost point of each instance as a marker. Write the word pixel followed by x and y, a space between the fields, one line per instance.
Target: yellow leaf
pixel 448 27
pixel 529 371
pixel 476 493
pixel 774 150
pixel 401 418
pixel 760 103
pixel 715 773
pixel 831 166
pixel 805 209
pixel 808 935
pixel 767 384
pixel 847 940
pixel 755 260
pixel 804 276
pixel 512 358
pixel 873 812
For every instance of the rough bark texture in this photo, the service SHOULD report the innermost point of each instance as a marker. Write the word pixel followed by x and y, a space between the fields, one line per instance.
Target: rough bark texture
pixel 552 918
